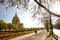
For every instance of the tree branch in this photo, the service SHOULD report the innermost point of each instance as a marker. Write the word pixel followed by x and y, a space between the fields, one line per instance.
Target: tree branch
pixel 46 9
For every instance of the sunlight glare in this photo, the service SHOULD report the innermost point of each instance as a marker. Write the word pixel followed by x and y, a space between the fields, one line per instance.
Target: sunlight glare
pixel 56 8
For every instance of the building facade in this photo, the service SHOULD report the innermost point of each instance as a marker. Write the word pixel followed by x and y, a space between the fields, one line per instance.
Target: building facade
pixel 16 21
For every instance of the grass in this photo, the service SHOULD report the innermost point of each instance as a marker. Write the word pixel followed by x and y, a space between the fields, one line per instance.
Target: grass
pixel 13 35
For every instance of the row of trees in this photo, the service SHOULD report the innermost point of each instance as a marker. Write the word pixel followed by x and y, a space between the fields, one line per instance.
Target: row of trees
pixel 12 27
pixel 7 26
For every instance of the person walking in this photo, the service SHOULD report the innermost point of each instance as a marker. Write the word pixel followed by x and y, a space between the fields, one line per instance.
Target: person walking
pixel 35 31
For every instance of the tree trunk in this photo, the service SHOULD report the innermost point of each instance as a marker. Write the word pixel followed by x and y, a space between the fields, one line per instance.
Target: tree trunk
pixel 9 30
pixel 5 29
pixel 51 27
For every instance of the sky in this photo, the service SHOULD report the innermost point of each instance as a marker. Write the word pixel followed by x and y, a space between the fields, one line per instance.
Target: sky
pixel 24 16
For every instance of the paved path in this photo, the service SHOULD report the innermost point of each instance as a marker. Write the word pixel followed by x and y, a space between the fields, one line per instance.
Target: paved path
pixel 41 35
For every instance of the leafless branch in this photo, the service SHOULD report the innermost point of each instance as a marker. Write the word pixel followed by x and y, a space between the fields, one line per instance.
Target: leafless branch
pixel 46 9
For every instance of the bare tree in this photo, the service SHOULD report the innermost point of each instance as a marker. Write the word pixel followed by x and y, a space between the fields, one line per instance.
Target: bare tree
pixel 50 13
pixel 47 9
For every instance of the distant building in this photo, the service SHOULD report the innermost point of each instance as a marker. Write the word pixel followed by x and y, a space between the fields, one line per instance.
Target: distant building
pixel 16 21
pixel 57 24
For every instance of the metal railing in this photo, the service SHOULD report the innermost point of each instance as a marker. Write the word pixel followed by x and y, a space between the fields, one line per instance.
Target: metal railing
pixel 55 37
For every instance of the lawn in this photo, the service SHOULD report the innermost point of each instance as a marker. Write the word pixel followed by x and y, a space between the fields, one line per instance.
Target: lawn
pixel 10 35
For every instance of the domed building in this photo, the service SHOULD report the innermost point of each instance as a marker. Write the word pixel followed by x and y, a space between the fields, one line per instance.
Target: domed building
pixel 16 21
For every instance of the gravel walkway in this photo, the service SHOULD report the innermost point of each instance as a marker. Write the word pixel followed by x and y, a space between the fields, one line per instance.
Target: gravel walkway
pixel 41 35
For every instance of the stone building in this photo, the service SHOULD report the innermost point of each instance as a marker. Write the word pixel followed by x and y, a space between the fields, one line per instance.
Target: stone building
pixel 16 21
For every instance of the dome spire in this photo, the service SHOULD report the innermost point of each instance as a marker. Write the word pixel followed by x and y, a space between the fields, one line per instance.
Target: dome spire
pixel 15 19
pixel 15 13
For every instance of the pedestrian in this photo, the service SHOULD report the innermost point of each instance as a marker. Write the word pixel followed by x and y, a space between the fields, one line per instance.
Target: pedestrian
pixel 35 31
